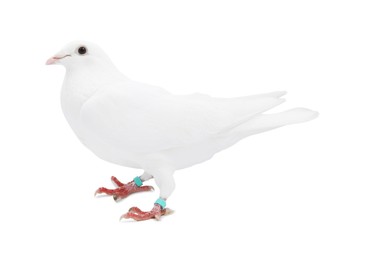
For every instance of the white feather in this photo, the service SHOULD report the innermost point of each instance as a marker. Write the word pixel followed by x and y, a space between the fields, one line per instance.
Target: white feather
pixel 142 126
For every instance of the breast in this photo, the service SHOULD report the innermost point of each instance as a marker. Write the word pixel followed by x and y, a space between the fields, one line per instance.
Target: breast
pixel 72 99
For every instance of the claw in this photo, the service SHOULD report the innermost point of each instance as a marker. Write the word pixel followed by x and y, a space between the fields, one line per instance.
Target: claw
pixel 97 192
pixel 123 216
pixel 168 211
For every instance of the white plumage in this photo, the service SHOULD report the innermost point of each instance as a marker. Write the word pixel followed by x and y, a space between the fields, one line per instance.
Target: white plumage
pixel 142 126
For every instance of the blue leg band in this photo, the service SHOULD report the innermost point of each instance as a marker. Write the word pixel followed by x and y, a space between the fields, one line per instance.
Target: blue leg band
pixel 161 202
pixel 138 181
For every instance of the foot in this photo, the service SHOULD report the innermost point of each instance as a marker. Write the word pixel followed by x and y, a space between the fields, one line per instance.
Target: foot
pixel 137 214
pixel 123 190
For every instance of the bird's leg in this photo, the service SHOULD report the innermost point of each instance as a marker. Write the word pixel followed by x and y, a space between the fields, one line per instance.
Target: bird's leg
pixel 166 183
pixel 156 212
pixel 124 190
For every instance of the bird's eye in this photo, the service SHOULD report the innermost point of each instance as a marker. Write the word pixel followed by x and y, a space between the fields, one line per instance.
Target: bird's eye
pixel 82 50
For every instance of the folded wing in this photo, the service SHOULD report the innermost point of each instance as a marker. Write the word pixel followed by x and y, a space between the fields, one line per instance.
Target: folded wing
pixel 144 119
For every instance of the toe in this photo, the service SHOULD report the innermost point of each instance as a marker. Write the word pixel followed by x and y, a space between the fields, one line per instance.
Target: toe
pixel 146 188
pixel 167 211
pixel 139 215
pixel 117 182
pixel 157 217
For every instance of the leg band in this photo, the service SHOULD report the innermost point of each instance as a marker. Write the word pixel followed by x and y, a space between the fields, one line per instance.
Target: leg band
pixel 161 202
pixel 138 181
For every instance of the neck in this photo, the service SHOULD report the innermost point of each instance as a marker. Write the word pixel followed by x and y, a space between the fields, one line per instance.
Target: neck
pixel 88 78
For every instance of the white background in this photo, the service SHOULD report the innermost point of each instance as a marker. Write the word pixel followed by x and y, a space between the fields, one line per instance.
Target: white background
pixel 293 193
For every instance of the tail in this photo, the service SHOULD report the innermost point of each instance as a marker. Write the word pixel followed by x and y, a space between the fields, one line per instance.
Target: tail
pixel 267 122
pixel 204 150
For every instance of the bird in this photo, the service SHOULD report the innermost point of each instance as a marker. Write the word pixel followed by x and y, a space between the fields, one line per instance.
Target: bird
pixel 141 126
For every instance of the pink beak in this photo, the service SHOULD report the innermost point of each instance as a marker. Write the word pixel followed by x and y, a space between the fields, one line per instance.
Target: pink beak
pixel 54 59
pixel 51 61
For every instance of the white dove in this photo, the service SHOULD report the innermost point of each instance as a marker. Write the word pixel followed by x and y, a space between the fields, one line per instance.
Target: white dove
pixel 142 126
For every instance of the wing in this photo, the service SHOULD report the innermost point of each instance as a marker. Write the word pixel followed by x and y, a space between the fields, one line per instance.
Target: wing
pixel 144 119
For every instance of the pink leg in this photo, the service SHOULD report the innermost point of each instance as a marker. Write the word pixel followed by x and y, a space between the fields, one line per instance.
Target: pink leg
pixel 137 214
pixel 123 190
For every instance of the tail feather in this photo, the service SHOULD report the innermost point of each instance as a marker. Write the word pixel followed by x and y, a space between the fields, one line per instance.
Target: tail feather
pixel 267 122
pixel 275 94
pixel 204 150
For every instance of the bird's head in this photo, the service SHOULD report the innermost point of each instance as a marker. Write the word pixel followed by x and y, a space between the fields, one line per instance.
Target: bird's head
pixel 79 53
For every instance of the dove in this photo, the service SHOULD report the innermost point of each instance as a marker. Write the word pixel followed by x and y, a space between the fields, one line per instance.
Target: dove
pixel 141 126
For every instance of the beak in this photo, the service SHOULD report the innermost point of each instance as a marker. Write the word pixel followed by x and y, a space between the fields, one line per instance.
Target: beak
pixel 54 59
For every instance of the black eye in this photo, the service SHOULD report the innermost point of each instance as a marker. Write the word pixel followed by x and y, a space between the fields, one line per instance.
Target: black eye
pixel 82 50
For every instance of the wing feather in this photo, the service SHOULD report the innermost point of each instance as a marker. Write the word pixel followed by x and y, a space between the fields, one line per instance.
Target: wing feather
pixel 146 120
